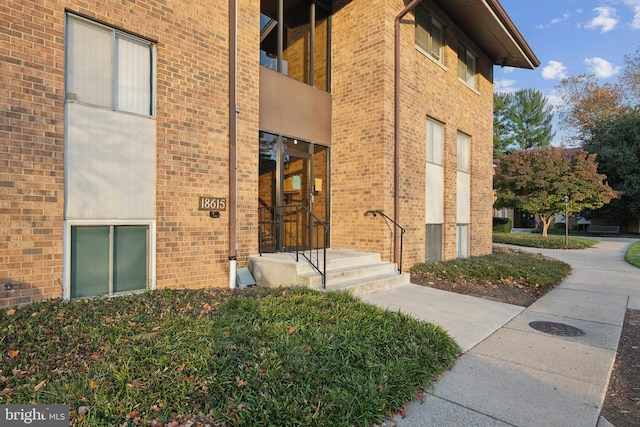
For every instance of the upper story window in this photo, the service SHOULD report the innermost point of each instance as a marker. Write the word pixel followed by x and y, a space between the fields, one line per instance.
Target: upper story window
pixel 295 39
pixel 467 66
pixel 429 34
pixel 464 153
pixel 108 68
pixel 435 142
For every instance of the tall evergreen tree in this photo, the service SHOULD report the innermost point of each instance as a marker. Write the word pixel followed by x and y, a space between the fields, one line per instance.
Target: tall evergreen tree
pixel 522 120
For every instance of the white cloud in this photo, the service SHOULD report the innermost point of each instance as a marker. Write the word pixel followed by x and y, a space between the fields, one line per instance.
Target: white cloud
pixel 602 68
pixel 606 19
pixel 504 85
pixel 555 70
pixel 635 6
pixel 565 16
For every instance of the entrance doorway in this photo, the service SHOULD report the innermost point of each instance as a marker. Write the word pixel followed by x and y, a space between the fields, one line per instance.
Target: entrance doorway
pixel 293 179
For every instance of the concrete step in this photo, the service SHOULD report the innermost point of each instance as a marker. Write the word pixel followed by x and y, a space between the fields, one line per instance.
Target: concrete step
pixel 356 272
pixel 348 273
pixel 371 284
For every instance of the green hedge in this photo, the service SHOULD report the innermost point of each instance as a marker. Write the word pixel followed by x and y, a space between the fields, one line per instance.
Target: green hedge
pixel 501 225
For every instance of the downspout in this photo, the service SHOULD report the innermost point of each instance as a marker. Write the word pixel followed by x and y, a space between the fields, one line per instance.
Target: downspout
pixel 233 138
pixel 396 128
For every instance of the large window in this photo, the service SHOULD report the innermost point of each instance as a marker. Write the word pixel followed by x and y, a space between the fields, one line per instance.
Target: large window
pixel 463 194
pixel 108 68
pixel 294 39
pixel 110 160
pixel 429 34
pixel 467 66
pixel 108 259
pixel 434 190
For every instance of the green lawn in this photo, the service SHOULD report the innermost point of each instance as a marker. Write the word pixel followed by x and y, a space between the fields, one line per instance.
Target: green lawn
pixel 236 358
pixel 537 241
pixel 633 255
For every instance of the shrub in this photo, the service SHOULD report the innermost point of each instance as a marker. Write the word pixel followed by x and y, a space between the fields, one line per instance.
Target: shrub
pixel 501 225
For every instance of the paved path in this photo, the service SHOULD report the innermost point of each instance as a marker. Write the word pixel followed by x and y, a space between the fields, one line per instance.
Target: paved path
pixel 514 375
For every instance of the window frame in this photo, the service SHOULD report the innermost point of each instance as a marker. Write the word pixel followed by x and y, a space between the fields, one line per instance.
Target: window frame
pixel 151 250
pixel 116 35
pixel 470 71
pixel 431 21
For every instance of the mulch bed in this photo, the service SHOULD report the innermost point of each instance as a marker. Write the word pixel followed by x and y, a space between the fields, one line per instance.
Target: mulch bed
pixel 622 402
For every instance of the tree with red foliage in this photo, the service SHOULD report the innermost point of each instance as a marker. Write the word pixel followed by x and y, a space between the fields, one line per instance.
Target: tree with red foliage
pixel 538 180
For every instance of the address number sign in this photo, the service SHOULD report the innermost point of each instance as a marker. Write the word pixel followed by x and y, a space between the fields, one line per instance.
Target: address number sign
pixel 212 204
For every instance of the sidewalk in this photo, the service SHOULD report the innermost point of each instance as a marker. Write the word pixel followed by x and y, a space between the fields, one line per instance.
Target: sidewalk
pixel 514 375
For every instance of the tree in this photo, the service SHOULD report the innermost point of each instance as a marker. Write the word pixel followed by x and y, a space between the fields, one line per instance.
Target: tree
pixel 522 120
pixel 585 101
pixel 538 180
pixel 500 142
pixel 615 141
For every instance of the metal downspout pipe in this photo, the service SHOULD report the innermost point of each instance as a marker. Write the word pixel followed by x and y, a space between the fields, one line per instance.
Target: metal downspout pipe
pixel 233 138
pixel 396 127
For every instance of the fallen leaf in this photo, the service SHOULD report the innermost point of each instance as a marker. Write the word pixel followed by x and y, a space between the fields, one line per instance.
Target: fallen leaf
pixel 93 384
pixel 13 353
pixel 40 385
pixel 240 383
pixel 292 330
pixel 11 312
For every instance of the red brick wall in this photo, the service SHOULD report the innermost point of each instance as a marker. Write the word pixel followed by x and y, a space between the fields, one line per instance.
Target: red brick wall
pixel 192 137
pixel 363 144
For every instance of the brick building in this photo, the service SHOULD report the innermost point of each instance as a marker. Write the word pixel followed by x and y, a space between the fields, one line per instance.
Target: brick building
pixel 139 139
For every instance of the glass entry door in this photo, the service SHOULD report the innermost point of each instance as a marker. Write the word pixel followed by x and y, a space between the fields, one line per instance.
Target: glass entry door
pixel 293 174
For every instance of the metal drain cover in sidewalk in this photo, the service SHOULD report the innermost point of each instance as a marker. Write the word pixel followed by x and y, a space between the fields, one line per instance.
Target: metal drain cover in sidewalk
pixel 556 328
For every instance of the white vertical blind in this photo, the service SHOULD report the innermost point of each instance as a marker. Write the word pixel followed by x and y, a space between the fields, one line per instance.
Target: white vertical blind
pixel 89 63
pixel 134 77
pixel 435 142
pixel 464 152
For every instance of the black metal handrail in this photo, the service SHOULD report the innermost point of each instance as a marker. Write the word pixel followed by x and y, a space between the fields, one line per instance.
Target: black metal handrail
pixel 315 224
pixel 402 231
pixel 292 229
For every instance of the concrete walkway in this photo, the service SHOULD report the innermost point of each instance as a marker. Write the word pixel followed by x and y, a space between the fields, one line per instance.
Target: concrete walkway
pixel 514 375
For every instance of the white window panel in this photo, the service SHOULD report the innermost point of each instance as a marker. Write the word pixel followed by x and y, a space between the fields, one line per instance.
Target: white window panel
pixel 463 196
pixel 434 206
pixel 110 164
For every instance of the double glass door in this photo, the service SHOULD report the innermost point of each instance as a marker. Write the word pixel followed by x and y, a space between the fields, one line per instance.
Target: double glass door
pixel 293 176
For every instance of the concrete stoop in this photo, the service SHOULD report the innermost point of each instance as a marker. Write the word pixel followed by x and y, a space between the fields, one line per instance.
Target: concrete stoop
pixel 352 271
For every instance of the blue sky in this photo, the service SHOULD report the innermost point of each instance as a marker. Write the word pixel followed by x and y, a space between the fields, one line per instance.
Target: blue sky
pixel 571 37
